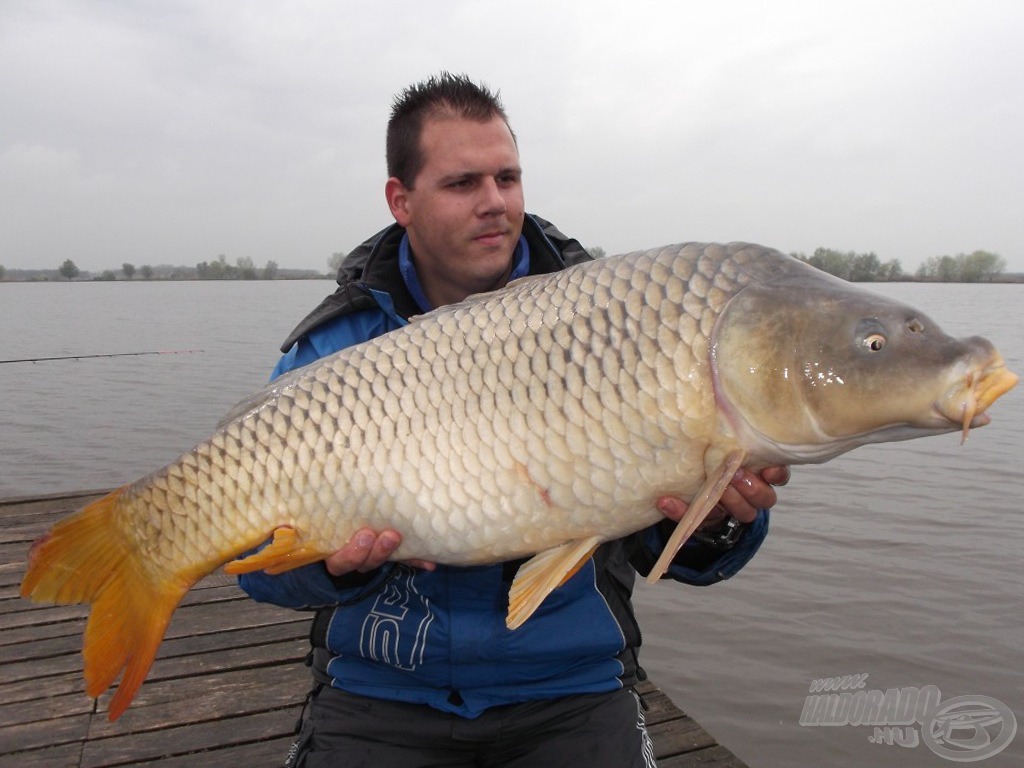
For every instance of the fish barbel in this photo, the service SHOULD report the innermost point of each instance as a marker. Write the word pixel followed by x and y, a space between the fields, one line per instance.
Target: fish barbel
pixel 541 419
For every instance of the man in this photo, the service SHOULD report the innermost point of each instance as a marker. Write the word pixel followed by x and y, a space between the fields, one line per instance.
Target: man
pixel 413 663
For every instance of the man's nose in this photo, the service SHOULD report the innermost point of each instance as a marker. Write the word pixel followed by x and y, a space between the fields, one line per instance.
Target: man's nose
pixel 492 201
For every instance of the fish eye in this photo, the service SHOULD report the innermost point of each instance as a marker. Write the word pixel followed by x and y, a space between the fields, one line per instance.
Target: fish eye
pixel 874 342
pixel 870 335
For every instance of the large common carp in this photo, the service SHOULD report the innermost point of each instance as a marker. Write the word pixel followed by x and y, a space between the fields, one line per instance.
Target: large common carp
pixel 545 418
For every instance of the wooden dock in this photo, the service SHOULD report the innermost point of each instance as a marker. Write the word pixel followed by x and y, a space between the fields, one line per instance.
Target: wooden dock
pixel 225 690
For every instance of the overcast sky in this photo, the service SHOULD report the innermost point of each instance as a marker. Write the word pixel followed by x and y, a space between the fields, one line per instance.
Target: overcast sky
pixel 172 132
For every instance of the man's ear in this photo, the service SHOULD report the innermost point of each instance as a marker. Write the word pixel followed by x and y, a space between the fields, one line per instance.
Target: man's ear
pixel 397 196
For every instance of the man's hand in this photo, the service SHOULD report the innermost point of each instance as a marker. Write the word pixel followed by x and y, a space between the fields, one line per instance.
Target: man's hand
pixel 367 551
pixel 745 494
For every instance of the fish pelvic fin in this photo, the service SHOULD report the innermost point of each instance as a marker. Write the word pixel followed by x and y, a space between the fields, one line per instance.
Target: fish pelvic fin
pixel 285 552
pixel 703 502
pixel 543 573
pixel 85 558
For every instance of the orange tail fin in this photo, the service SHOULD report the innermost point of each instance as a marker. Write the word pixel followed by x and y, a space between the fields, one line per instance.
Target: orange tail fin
pixel 86 558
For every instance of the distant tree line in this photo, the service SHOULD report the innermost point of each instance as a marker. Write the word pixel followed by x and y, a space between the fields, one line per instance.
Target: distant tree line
pixel 220 269
pixel 980 266
pixel 855 267
pixel 977 267
pixel 243 269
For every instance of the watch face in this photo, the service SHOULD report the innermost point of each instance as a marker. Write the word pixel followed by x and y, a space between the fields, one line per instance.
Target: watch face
pixel 723 537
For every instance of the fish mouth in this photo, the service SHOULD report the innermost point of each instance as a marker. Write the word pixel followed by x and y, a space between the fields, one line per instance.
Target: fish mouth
pixel 966 402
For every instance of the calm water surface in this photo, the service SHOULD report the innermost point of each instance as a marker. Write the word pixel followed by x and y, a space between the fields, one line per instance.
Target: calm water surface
pixel 902 562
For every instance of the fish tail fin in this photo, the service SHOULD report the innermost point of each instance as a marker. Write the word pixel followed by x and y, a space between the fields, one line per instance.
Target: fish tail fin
pixel 85 558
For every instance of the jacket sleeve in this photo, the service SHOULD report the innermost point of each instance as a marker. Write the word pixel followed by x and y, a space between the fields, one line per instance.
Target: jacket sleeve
pixel 698 563
pixel 311 586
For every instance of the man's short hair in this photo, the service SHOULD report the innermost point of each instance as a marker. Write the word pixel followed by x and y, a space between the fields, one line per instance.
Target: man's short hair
pixel 440 96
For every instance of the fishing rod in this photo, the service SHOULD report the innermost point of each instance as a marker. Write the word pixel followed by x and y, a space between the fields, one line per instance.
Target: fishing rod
pixel 111 354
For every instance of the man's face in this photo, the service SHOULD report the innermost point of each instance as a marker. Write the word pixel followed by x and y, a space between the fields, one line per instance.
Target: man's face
pixel 465 211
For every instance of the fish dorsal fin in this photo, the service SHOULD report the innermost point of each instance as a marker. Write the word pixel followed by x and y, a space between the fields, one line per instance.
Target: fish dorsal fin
pixel 702 503
pixel 543 573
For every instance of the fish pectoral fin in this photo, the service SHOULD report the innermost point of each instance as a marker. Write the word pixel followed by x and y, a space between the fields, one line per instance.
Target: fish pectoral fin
pixel 285 552
pixel 543 573
pixel 702 503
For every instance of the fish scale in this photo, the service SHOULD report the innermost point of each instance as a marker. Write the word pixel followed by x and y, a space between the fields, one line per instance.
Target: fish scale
pixel 541 419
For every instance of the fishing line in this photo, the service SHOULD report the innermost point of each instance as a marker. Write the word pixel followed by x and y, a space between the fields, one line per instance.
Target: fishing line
pixel 112 354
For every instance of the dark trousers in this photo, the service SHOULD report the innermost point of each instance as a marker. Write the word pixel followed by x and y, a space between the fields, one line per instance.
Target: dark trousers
pixel 604 730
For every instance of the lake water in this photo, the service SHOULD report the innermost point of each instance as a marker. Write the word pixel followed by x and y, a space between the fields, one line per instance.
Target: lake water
pixel 902 562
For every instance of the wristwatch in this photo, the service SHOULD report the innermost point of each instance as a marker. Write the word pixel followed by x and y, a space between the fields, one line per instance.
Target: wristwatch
pixel 724 536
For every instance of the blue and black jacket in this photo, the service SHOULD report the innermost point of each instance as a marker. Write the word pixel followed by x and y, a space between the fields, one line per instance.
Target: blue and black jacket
pixel 439 637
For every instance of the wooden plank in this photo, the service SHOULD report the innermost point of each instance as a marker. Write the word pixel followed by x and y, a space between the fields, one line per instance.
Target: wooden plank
pixel 196 715
pixel 29 632
pixel 219 695
pixel 712 757
pixel 16 551
pixel 679 741
pixel 38 616
pixel 67 500
pixel 196 741
pixel 678 735
pixel 63 756
pixel 59 724
pixel 22 696
pixel 33 697
pixel 18 535
pixel 658 706
pixel 270 753
pixel 60 674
